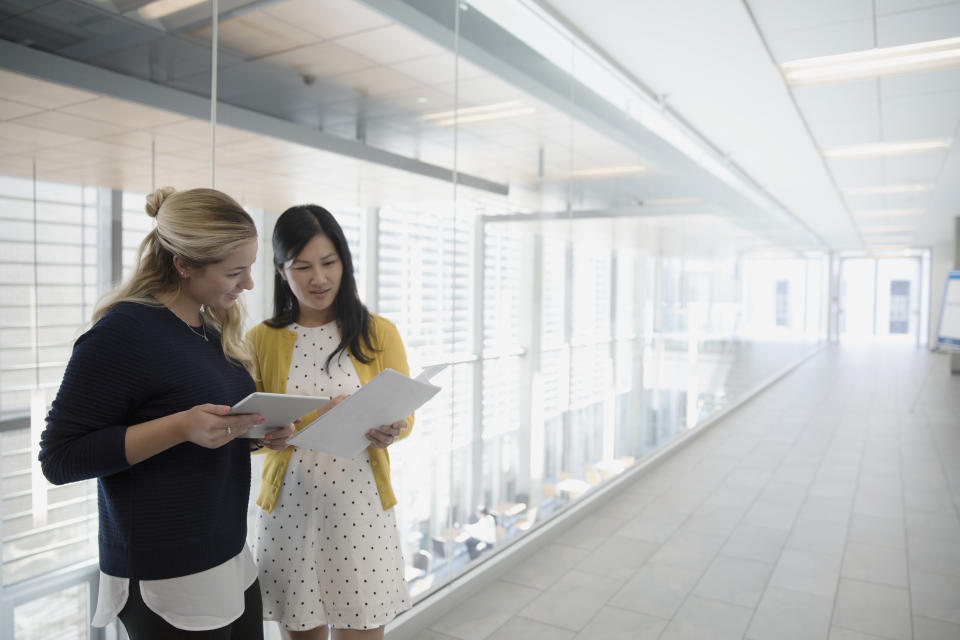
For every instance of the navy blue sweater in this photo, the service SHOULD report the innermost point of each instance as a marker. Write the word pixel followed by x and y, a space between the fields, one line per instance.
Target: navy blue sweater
pixel 183 510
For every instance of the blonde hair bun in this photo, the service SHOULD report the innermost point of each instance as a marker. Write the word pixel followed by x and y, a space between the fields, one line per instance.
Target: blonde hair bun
pixel 155 200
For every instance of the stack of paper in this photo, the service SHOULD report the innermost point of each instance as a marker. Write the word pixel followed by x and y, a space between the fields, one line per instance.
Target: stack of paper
pixel 388 398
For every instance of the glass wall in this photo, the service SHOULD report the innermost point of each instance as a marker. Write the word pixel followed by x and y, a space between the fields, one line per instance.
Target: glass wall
pixel 592 304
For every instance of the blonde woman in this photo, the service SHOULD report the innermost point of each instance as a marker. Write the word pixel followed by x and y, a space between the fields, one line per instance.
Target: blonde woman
pixel 142 408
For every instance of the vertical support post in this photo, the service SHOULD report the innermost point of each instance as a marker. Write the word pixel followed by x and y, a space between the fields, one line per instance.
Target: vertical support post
pixel 530 468
pixel 476 330
pixel 955 357
pixel 370 252
pixel 109 238
pixel 833 317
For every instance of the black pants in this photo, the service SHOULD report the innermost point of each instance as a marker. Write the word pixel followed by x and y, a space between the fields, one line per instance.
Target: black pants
pixel 143 624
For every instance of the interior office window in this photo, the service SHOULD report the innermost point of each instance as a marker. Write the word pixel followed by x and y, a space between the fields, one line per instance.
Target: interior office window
pixel 782 302
pixel 424 288
pixel 135 225
pixel 899 306
pixel 47 292
pixel 349 220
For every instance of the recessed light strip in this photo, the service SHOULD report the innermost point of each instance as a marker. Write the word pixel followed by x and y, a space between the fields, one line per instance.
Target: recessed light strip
pixel 484 108
pixel 163 8
pixel 887 148
pixel 605 172
pixel 888 189
pixel 884 213
pixel 873 62
pixel 482 117
pixel 894 228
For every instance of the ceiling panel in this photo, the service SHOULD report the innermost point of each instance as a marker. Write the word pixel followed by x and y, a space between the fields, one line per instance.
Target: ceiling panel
pixel 10 110
pixel 320 60
pixel 121 112
pixel 826 40
pixel 921 116
pixel 38 138
pixel 789 15
pixel 257 35
pixel 327 18
pixel 921 82
pixel 894 6
pixel 390 45
pixel 922 25
pixel 70 124
pixel 38 93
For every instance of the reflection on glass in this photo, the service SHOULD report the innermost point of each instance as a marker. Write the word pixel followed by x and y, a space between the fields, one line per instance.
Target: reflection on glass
pixel 58 615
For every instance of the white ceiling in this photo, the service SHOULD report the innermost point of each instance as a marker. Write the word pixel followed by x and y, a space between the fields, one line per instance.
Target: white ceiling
pixel 338 64
pixel 717 63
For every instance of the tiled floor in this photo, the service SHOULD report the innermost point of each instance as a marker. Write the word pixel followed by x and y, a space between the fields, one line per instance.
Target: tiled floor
pixel 824 509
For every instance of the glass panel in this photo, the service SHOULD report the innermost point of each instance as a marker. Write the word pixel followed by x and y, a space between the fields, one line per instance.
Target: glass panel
pixel 58 616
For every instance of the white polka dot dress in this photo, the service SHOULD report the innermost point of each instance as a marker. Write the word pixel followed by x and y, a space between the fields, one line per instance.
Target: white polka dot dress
pixel 328 554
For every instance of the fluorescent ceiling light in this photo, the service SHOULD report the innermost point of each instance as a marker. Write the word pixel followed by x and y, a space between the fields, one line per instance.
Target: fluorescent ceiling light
pixel 882 213
pixel 894 228
pixel 484 108
pixel 606 172
pixel 888 247
pixel 657 202
pixel 163 8
pixel 888 189
pixel 482 117
pixel 921 56
pixel 887 148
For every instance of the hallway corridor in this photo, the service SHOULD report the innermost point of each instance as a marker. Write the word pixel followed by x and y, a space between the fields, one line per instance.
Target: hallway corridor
pixel 825 508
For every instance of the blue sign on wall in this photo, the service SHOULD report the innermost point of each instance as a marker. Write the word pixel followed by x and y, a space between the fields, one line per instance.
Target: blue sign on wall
pixel 948 333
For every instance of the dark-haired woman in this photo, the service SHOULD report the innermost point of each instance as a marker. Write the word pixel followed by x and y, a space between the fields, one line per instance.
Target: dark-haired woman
pixel 327 544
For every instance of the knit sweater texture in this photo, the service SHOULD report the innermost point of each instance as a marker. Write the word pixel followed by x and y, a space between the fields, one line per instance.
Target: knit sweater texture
pixel 180 511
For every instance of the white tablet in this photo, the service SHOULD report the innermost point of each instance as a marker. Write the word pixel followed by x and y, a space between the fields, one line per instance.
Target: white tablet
pixel 278 409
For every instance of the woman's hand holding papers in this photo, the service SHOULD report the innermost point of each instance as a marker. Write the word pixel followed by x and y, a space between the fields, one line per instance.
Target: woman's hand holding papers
pixel 384 436
pixel 277 439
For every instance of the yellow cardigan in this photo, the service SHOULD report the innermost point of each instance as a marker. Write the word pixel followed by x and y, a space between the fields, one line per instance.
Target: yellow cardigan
pixel 273 351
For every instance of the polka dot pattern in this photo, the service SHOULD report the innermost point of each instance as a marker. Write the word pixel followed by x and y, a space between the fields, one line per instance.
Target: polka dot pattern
pixel 328 554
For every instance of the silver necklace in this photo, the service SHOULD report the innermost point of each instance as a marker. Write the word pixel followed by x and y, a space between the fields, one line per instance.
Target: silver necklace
pixel 203 327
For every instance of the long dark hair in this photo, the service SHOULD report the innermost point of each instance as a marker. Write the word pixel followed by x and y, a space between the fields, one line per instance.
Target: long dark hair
pixel 296 227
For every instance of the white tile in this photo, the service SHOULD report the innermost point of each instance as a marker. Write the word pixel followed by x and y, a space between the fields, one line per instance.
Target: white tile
pixel 930 629
pixel 572 600
pixel 546 566
pixel 771 515
pixel 524 629
pixel 806 571
pixel 818 535
pixel 838 633
pixel 487 611
pixel 934 555
pixel 935 596
pixel 612 623
pixel 873 563
pixel 657 590
pixel 618 558
pixel 890 532
pixel 688 551
pixel 735 581
pixel 927 525
pixel 755 543
pixel 702 619
pixel 652 526
pixel 872 608
pixel 714 519
pixel 589 533
pixel 790 615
